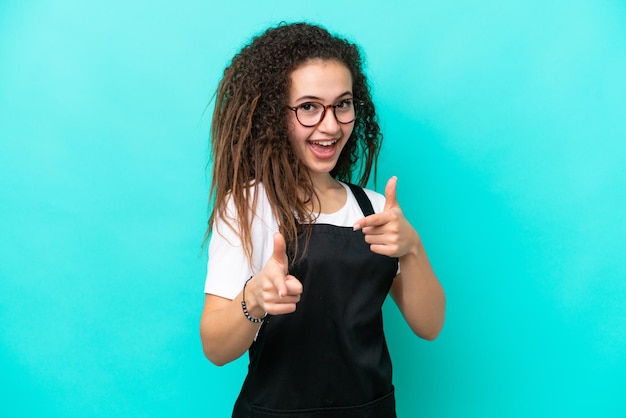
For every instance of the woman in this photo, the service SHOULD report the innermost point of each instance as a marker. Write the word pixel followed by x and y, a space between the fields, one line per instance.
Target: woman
pixel 300 259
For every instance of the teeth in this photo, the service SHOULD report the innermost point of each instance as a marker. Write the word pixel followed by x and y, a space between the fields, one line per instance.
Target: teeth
pixel 324 143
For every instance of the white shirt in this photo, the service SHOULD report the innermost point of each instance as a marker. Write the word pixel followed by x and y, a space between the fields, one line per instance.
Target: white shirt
pixel 228 268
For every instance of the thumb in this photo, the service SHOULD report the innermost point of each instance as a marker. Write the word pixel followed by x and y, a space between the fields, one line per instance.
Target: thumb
pixel 390 194
pixel 280 251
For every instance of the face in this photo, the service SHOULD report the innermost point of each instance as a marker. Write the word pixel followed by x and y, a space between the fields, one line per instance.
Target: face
pixel 329 83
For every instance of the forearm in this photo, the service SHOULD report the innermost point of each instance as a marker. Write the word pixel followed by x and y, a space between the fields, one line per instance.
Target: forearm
pixel 419 295
pixel 225 332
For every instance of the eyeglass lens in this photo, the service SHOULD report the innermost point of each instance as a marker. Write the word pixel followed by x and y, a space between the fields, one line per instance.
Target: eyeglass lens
pixel 312 113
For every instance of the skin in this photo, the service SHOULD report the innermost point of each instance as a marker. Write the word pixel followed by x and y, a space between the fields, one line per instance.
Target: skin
pixel 226 334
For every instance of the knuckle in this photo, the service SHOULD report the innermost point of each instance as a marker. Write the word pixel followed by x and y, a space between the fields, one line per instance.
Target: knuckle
pixel 267 286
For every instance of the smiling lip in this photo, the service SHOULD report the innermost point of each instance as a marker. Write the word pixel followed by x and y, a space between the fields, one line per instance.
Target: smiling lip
pixel 323 149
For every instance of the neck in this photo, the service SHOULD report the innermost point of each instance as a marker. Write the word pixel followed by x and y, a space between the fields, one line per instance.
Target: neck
pixel 331 195
pixel 324 182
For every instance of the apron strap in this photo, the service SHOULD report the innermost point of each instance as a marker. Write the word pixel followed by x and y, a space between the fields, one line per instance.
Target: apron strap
pixel 362 199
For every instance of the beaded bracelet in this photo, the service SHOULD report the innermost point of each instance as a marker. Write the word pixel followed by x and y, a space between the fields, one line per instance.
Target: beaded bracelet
pixel 245 308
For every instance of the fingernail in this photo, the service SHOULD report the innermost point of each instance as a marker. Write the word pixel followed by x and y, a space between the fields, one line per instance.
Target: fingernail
pixel 356 227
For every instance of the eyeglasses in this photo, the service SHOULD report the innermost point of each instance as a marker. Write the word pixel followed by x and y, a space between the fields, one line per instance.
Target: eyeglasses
pixel 310 114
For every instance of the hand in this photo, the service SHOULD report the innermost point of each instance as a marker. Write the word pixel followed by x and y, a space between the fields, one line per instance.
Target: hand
pixel 272 289
pixel 388 232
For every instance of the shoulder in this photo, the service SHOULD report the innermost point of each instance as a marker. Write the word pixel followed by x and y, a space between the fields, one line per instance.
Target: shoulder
pixel 351 211
pixel 377 199
pixel 259 219
pixel 258 201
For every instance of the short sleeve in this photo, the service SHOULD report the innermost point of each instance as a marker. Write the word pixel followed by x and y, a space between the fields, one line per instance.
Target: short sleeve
pixel 228 268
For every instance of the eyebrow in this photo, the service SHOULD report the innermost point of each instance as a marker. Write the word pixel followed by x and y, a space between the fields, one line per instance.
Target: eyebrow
pixel 342 95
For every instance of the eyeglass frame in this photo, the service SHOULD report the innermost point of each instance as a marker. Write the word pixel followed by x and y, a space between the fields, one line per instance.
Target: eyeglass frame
pixel 324 107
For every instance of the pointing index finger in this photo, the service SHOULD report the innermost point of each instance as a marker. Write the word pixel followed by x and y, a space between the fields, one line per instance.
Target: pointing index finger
pixel 376 219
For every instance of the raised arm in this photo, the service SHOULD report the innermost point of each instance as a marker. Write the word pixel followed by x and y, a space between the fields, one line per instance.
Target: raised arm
pixel 225 331
pixel 416 290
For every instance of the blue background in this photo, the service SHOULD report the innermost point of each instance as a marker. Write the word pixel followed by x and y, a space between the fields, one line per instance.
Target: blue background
pixel 505 122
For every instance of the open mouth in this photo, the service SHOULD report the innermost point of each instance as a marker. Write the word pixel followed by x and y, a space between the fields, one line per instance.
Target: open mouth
pixel 323 149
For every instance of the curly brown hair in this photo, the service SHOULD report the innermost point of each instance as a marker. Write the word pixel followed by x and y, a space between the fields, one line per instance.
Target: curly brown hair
pixel 249 140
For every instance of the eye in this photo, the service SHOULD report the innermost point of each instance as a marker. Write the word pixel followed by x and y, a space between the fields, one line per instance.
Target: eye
pixel 344 104
pixel 309 107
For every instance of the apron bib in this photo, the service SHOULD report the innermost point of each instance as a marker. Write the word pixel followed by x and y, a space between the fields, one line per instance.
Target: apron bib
pixel 329 358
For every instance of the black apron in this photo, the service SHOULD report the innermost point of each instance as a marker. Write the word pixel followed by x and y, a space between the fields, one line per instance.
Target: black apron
pixel 329 358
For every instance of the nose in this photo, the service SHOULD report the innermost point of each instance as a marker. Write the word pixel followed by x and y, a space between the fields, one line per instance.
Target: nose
pixel 329 123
